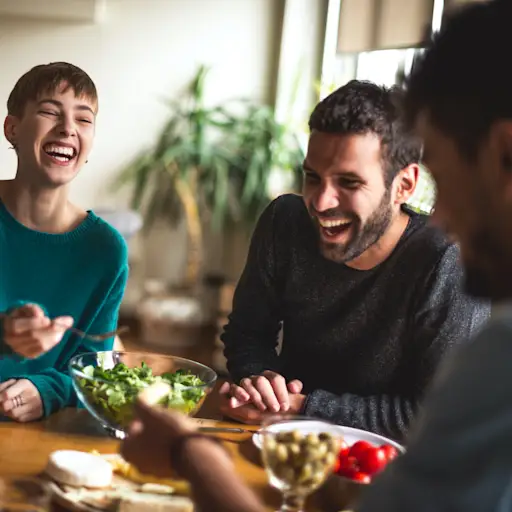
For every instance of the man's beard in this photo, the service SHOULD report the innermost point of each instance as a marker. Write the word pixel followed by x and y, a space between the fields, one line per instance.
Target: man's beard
pixel 364 236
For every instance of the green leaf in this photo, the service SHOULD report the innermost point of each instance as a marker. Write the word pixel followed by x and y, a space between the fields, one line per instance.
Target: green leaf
pixel 221 194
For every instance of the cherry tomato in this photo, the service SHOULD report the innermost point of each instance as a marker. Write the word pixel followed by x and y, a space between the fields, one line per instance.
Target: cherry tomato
pixel 372 461
pixel 344 452
pixel 348 467
pixel 358 448
pixel 362 478
pixel 390 451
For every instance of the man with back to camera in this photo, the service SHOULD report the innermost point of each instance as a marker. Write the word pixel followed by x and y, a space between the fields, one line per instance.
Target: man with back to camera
pixel 368 294
pixel 458 456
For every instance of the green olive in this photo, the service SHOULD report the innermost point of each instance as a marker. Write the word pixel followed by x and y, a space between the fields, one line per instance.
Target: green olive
pixel 294 449
pixel 330 459
pixel 318 478
pixel 312 439
pixel 296 436
pixel 313 454
pixel 282 452
pixel 289 437
pixel 305 472
pixel 318 466
pixel 270 443
pixel 322 450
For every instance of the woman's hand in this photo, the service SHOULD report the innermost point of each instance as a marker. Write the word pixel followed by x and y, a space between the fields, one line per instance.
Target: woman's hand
pixel 30 333
pixel 20 400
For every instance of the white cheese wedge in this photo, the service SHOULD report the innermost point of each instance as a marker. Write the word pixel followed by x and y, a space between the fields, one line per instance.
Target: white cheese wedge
pixel 154 393
pixel 79 469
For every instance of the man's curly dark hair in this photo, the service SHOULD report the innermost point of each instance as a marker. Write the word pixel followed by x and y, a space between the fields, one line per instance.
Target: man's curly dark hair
pixel 362 107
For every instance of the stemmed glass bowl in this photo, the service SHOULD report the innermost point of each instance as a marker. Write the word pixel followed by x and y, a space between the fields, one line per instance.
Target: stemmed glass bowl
pixel 299 454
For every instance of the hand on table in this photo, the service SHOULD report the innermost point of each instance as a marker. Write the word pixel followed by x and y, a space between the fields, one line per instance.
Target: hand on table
pixel 260 395
pixel 20 400
pixel 30 333
pixel 150 438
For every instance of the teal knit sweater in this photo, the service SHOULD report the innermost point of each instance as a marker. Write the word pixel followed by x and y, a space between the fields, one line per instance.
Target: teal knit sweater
pixel 82 274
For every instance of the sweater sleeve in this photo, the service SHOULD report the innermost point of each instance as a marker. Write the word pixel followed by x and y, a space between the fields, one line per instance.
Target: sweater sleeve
pixel 250 337
pixel 444 316
pixel 55 384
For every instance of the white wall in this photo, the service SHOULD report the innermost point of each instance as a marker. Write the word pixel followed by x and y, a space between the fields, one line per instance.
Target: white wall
pixel 144 51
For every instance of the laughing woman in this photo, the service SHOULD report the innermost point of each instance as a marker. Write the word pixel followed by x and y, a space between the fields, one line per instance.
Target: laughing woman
pixel 59 265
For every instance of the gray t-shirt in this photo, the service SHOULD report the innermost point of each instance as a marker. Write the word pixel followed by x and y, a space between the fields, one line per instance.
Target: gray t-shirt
pixel 459 455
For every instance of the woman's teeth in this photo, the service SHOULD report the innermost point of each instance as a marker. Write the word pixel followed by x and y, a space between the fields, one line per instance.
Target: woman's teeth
pixel 60 153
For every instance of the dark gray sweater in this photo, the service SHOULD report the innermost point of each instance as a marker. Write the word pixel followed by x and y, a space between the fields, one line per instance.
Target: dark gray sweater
pixel 364 343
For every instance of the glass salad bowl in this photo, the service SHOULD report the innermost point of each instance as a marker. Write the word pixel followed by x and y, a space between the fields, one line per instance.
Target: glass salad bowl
pixel 107 383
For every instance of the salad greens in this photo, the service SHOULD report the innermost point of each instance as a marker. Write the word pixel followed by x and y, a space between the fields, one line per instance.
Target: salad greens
pixel 114 390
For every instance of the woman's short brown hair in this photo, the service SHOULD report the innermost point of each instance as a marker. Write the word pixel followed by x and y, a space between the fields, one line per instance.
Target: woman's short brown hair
pixel 46 78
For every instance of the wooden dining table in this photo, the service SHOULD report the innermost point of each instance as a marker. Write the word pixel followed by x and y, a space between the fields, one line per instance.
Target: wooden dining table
pixel 24 448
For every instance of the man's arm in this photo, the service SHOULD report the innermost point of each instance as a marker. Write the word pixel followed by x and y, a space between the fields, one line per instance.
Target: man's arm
pixel 458 456
pixel 442 317
pixel 387 415
pixel 210 473
pixel 250 337
pixel 163 442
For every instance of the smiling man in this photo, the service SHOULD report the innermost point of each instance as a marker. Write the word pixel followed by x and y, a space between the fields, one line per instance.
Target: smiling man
pixel 367 294
pixel 59 264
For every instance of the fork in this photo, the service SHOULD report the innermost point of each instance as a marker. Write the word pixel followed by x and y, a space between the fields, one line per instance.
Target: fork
pixel 226 430
pixel 93 337
pixel 98 337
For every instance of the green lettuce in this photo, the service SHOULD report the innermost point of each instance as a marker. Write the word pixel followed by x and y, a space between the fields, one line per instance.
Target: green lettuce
pixel 112 391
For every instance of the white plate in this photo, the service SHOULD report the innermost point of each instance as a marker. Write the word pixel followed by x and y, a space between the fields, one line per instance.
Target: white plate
pixel 351 435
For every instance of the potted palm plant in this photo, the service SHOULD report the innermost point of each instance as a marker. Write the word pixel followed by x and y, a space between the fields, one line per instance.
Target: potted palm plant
pixel 212 166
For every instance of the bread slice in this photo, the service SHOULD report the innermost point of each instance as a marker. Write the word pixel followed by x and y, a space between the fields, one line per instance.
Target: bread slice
pixel 124 499
pixel 154 503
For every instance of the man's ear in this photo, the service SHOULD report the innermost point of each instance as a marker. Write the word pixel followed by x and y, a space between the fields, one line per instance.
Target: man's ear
pixel 405 183
pixel 11 129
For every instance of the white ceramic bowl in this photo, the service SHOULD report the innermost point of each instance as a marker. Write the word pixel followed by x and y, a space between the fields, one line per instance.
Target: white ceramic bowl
pixel 338 492
pixel 350 435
